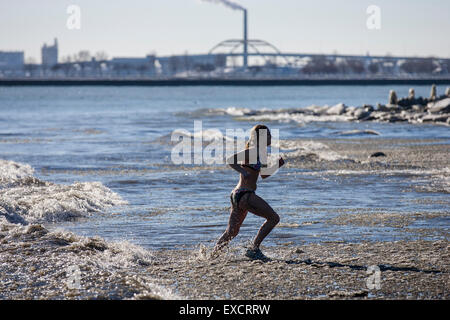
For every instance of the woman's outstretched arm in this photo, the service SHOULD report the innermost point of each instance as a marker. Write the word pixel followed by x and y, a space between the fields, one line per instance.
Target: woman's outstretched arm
pixel 233 162
pixel 267 172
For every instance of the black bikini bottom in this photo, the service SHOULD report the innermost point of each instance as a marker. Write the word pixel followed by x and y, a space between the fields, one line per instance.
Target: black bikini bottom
pixel 237 194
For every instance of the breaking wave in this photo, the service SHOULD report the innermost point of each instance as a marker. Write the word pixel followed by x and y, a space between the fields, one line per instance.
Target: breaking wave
pixel 311 149
pixel 206 135
pixel 11 172
pixel 313 113
pixel 232 111
pixel 27 199
pixel 301 115
pixel 63 264
pixel 106 270
pixel 336 113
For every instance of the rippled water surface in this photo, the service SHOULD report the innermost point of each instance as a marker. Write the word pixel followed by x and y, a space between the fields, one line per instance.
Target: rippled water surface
pixel 74 137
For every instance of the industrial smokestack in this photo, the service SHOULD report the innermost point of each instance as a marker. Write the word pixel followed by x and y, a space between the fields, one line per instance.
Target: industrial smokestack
pixel 235 6
pixel 245 55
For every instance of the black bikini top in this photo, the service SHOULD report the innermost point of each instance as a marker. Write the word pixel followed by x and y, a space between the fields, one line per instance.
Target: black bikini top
pixel 256 167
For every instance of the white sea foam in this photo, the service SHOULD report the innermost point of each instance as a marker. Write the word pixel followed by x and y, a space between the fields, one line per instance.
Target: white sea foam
pixel 297 117
pixel 434 181
pixel 293 148
pixel 300 115
pixel 232 111
pixel 358 132
pixel 107 269
pixel 26 199
pixel 206 135
pixel 235 111
pixel 11 171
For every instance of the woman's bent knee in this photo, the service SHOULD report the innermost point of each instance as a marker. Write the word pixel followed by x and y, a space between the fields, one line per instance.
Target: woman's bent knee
pixel 274 219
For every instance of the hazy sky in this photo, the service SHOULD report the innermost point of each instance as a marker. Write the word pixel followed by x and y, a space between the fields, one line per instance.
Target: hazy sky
pixel 138 27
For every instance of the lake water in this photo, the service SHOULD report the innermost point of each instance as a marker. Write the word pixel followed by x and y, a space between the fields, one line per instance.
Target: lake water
pixel 119 136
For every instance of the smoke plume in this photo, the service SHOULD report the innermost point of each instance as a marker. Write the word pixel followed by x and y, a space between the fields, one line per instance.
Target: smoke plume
pixel 229 4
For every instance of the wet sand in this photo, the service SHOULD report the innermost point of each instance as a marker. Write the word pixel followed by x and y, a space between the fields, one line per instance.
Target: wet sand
pixel 35 265
pixel 35 262
pixel 408 270
pixel 355 154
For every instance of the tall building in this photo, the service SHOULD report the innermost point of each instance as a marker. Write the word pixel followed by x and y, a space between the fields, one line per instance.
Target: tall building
pixel 50 54
pixel 11 60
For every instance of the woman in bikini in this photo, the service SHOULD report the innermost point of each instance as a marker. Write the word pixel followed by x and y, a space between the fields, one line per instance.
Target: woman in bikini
pixel 243 197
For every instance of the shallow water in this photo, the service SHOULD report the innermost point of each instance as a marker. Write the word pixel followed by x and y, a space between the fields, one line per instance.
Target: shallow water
pixel 114 142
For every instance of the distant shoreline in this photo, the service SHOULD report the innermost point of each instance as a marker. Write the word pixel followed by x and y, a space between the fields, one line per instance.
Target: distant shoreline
pixel 218 82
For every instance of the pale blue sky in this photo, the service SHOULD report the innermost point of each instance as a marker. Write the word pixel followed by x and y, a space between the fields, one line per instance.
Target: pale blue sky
pixel 138 27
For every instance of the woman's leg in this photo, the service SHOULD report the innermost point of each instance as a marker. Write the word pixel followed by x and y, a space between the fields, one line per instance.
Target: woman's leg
pixel 258 206
pixel 237 216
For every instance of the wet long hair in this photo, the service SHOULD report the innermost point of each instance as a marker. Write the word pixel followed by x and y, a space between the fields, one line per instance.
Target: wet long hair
pixel 255 137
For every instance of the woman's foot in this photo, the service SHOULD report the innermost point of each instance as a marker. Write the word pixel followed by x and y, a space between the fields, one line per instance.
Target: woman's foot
pixel 256 254
pixel 216 252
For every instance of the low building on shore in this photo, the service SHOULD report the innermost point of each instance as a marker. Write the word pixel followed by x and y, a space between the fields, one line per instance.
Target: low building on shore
pixel 11 63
